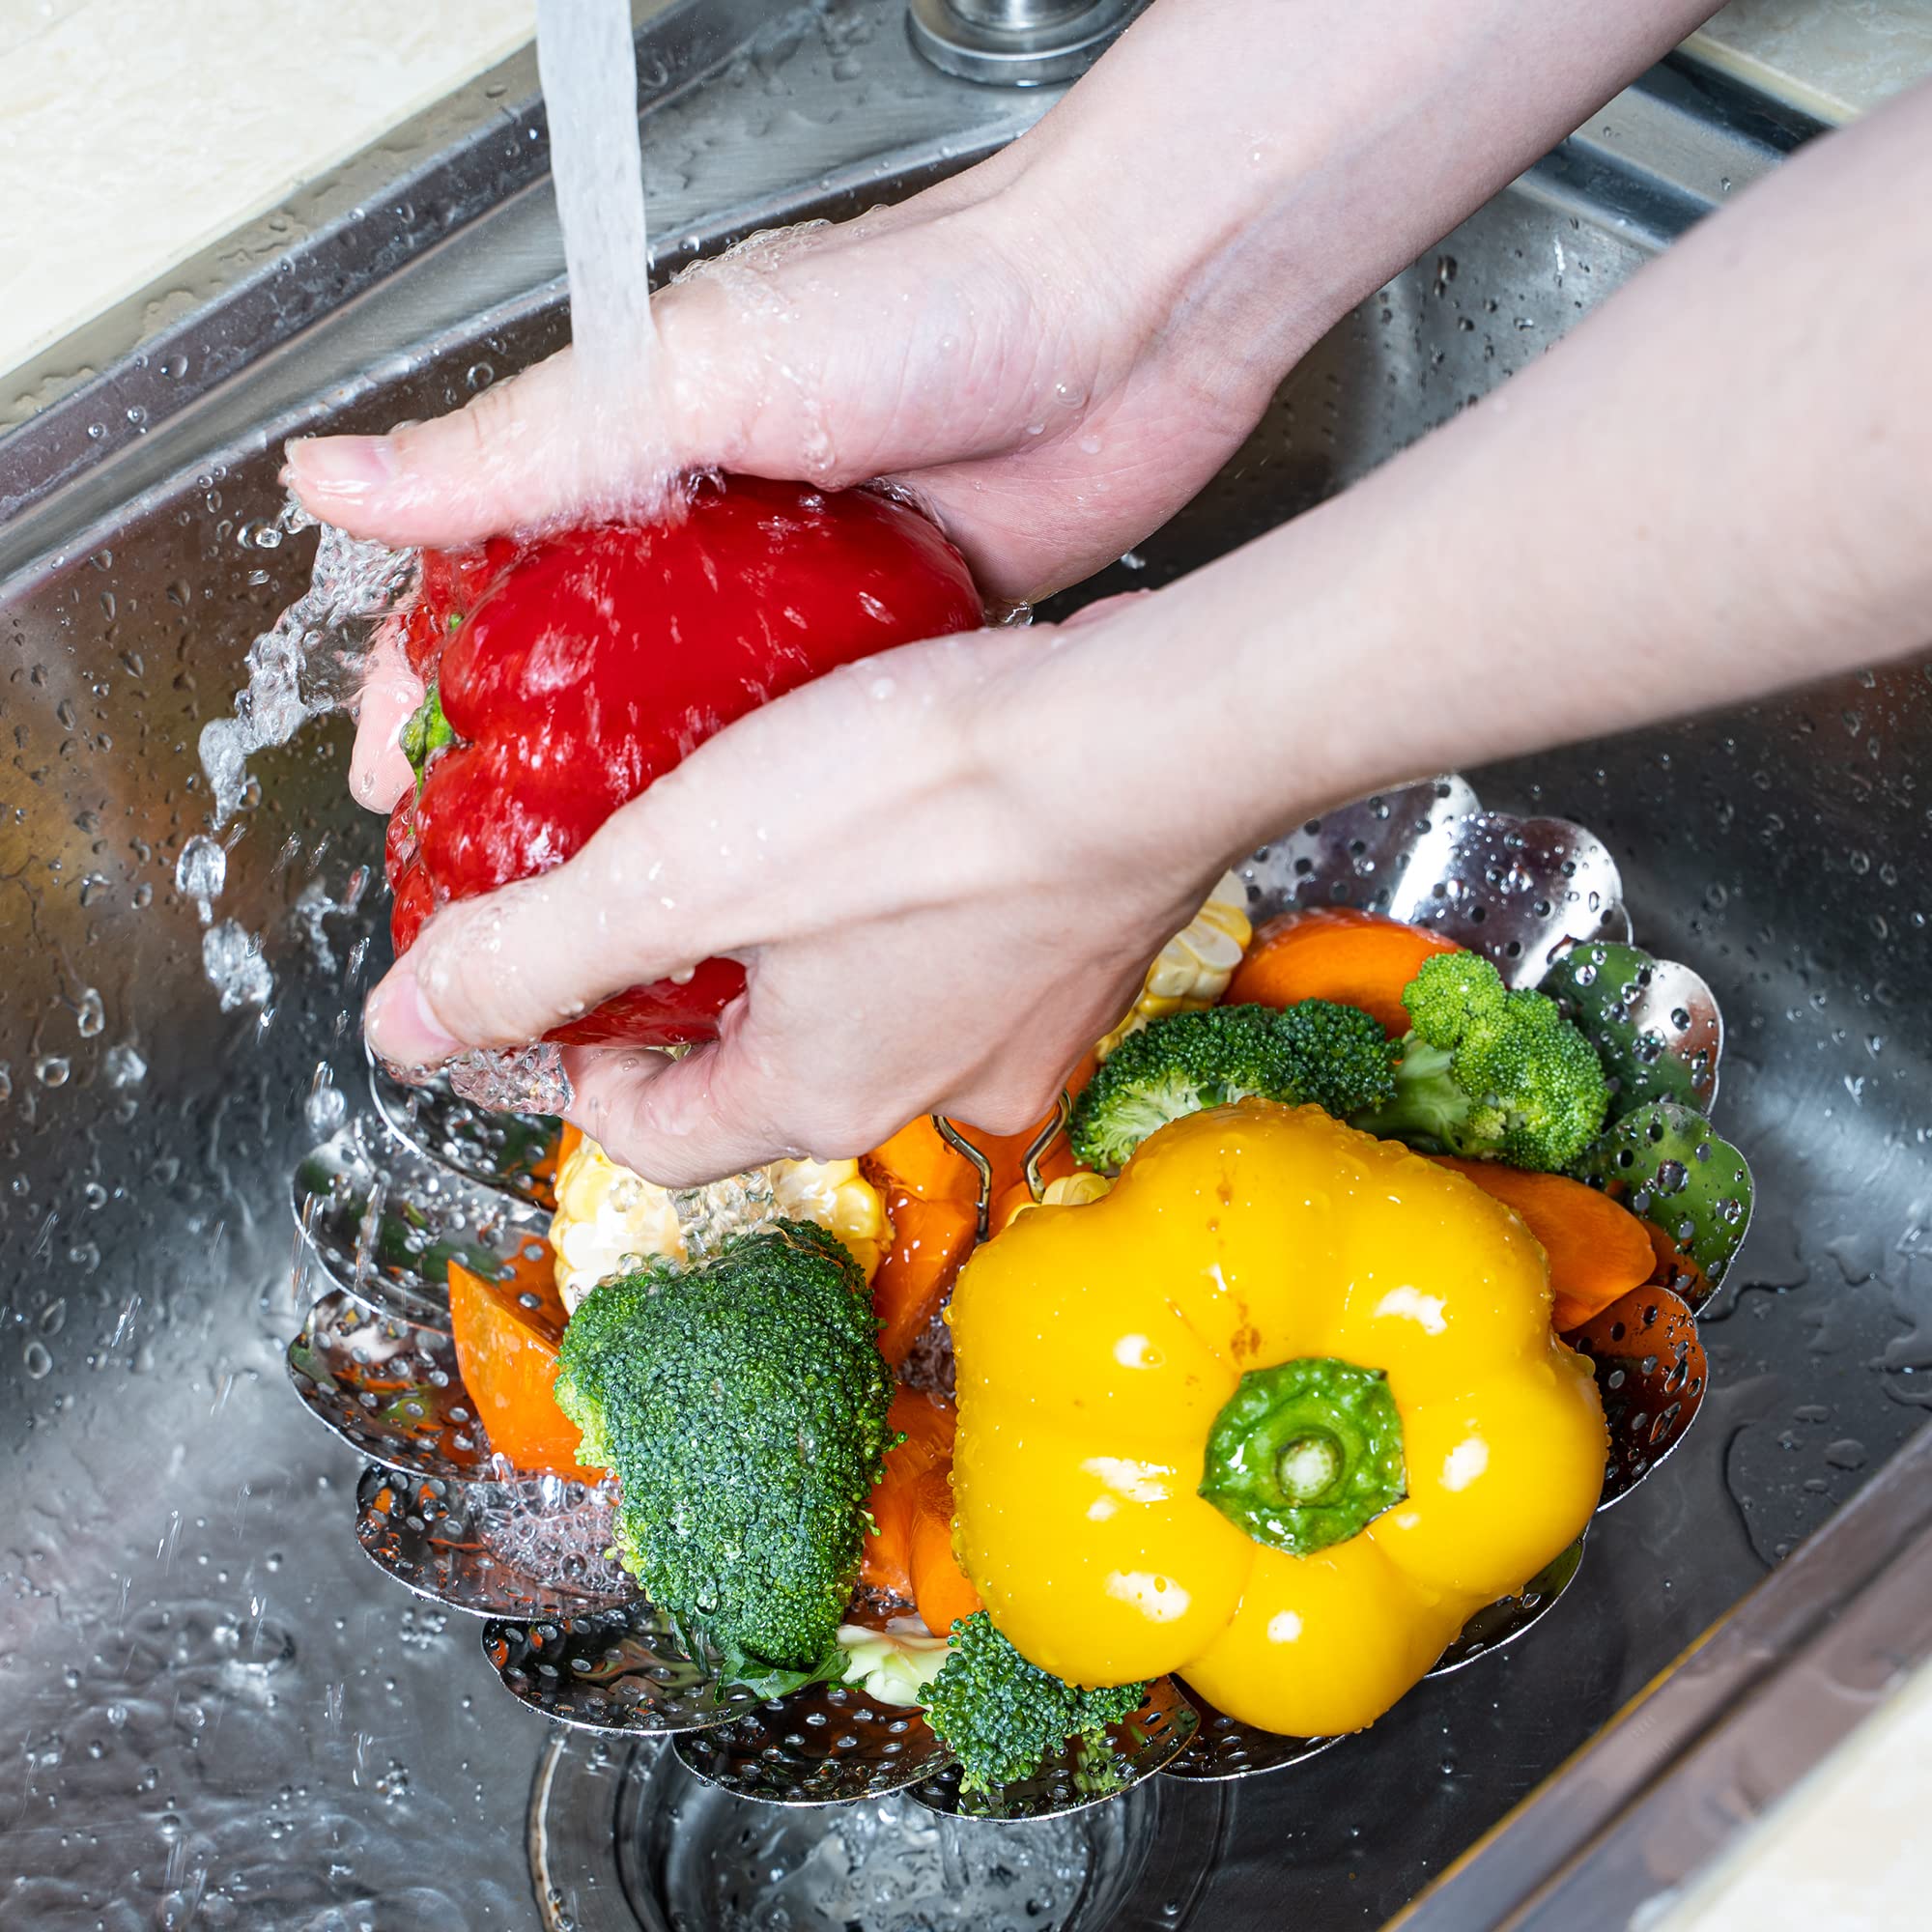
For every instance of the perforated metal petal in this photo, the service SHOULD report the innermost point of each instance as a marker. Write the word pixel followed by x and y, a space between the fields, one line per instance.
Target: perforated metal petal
pixel 389 1388
pixel 1665 1164
pixel 382 1223
pixel 1087 1771
pixel 621 1670
pixel 1223 1747
pixel 1652 1372
pixel 1506 1619
pixel 1655 1023
pixel 514 1153
pixel 1519 889
pixel 825 1744
pixel 493 1550
pixel 1361 853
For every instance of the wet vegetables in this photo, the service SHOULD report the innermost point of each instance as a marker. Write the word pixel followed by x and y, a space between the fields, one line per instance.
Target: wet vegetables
pixel 742 1405
pixel 1330 1054
pixel 586 664
pixel 1489 1073
pixel 1003 1715
pixel 1277 1413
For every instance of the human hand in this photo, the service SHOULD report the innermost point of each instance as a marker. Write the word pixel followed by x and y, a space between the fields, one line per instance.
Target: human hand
pixel 934 911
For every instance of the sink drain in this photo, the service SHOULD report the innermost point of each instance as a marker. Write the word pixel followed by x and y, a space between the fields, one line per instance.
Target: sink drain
pixel 622 1838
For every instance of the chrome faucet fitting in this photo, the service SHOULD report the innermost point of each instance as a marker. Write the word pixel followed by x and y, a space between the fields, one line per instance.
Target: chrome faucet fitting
pixel 1016 42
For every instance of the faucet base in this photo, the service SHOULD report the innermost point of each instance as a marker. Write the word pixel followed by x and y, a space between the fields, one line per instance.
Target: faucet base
pixel 1060 48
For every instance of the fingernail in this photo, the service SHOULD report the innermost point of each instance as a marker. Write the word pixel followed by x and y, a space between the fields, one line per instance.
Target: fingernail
pixel 341 466
pixel 401 1027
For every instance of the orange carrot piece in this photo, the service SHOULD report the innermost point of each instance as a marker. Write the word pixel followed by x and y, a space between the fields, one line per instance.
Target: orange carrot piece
pixel 930 1239
pixel 1335 952
pixel 925 1421
pixel 507 1353
pixel 1598 1249
pixel 566 1145
pixel 940 1589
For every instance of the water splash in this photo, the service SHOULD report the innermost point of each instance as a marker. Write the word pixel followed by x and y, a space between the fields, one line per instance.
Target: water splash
pixel 311 660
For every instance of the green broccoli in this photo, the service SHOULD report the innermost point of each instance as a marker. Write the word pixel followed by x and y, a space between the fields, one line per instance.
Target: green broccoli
pixel 1489 1073
pixel 1003 1715
pixel 742 1405
pixel 1316 1051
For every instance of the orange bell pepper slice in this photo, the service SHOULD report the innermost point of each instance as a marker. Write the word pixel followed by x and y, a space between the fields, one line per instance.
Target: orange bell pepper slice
pixel 506 1336
pixel 911 1555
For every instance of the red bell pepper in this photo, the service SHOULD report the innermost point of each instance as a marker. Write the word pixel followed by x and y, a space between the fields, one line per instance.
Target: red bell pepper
pixel 571 672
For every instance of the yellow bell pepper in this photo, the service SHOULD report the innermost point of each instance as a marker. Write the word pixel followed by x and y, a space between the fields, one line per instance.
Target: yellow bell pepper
pixel 1276 1414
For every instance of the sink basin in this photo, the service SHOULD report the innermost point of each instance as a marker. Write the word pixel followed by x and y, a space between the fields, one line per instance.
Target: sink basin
pixel 218 1712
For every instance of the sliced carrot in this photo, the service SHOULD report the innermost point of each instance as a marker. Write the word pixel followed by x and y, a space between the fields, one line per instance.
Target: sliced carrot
pixel 506 1336
pixel 939 1588
pixel 1598 1249
pixel 925 1422
pixel 566 1145
pixel 930 1239
pixel 1335 952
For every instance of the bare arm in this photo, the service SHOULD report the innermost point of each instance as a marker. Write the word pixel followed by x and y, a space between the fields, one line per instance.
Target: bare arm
pixel 1716 486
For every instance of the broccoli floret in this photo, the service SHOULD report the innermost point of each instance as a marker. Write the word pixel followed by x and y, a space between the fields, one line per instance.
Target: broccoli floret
pixel 1316 1051
pixel 1003 1715
pixel 742 1406
pixel 1489 1073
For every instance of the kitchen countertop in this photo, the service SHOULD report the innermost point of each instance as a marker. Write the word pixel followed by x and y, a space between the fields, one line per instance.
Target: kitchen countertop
pixel 1834 58
pixel 135 132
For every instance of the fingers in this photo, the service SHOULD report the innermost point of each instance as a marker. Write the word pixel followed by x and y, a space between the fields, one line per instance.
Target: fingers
pixel 810 354
pixel 378 774
pixel 511 459
pixel 506 968
pixel 664 1117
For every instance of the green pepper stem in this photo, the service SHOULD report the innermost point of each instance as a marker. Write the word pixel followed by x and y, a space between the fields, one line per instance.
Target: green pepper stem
pixel 1305 1454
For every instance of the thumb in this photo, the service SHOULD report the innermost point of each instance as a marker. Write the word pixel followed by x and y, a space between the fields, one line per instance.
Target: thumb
pixel 504 968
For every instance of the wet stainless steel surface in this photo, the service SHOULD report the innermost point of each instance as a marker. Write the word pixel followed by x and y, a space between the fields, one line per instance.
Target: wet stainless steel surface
pixel 214 1706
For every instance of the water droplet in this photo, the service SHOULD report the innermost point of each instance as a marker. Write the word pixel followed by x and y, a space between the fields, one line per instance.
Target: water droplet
pixel 90 1016
pixel 201 871
pixel 123 1066
pixel 35 1360
pixel 52 1069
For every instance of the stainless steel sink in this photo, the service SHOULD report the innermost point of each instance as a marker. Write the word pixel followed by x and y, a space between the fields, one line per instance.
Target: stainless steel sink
pixel 215 1711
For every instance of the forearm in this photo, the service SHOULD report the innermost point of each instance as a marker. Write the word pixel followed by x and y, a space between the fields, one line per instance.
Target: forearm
pixel 1255 167
pixel 1715 487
